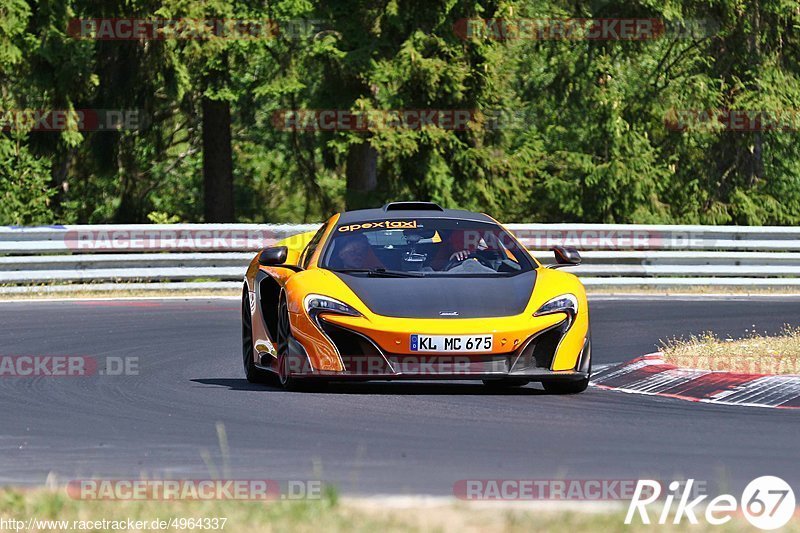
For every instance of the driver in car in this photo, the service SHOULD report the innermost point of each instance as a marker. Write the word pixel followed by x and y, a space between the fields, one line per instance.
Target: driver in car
pixel 457 247
pixel 463 254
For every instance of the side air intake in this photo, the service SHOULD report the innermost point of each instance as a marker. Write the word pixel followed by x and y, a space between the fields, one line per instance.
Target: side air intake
pixel 412 206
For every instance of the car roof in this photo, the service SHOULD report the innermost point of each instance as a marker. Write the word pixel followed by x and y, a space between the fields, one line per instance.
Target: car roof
pixel 406 210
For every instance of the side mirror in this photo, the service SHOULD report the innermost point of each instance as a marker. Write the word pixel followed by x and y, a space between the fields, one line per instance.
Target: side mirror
pixel 566 256
pixel 275 255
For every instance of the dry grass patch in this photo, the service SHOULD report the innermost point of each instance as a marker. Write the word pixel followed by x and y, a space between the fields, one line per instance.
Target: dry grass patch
pixel 753 354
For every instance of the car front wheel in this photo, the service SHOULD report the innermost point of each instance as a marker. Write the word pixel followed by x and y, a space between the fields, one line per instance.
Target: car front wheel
pixel 253 374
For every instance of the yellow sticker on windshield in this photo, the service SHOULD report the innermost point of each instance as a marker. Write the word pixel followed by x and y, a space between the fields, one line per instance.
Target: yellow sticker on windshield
pixel 386 224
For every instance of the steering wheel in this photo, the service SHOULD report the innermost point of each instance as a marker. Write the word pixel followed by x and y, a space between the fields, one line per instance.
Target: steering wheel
pixel 474 255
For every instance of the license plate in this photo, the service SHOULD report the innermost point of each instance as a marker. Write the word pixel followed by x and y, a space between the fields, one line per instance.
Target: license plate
pixel 451 343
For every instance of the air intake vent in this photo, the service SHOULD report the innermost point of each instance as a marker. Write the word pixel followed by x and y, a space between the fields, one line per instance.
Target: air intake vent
pixel 359 354
pixel 539 352
pixel 412 206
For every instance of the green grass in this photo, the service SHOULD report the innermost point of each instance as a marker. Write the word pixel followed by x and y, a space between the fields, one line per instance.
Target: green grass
pixel 330 513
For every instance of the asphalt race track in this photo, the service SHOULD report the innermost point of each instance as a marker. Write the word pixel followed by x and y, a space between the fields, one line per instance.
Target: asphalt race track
pixel 369 438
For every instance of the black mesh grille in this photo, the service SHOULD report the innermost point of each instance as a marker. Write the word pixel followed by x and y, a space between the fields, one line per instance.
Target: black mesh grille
pixel 540 351
pixel 269 293
pixel 358 354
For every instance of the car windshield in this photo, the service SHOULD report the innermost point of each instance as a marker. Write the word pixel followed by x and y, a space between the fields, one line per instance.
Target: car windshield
pixel 422 247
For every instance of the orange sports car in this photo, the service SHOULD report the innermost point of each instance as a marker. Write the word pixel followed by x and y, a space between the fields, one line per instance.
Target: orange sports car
pixel 414 291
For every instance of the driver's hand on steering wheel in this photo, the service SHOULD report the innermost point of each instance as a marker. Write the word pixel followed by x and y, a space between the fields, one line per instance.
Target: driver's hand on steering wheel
pixel 460 256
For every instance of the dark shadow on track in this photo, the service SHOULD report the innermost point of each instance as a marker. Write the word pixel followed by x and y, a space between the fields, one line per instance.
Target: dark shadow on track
pixel 386 388
pixel 236 384
pixel 428 388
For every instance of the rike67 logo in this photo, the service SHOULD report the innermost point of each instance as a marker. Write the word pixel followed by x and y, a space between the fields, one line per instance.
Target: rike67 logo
pixel 767 503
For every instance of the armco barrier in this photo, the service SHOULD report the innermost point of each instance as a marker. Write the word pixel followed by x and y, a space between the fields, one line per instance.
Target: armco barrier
pixel 216 254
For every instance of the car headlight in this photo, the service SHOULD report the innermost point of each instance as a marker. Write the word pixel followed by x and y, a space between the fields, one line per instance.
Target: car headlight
pixel 566 303
pixel 316 304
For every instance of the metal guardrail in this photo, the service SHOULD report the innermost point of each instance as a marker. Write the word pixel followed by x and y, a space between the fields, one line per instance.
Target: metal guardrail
pixel 215 255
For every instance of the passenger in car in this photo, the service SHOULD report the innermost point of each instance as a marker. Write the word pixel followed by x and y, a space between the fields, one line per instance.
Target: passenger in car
pixel 354 251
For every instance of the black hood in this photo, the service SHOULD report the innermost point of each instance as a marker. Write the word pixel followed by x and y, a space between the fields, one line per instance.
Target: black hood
pixel 429 297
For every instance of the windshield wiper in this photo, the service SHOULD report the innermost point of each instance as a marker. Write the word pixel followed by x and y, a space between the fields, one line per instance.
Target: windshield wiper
pixel 379 272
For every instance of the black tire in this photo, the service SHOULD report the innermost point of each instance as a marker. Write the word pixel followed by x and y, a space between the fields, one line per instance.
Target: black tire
pixel 284 333
pixel 282 345
pixel 566 387
pixel 505 383
pixel 253 374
